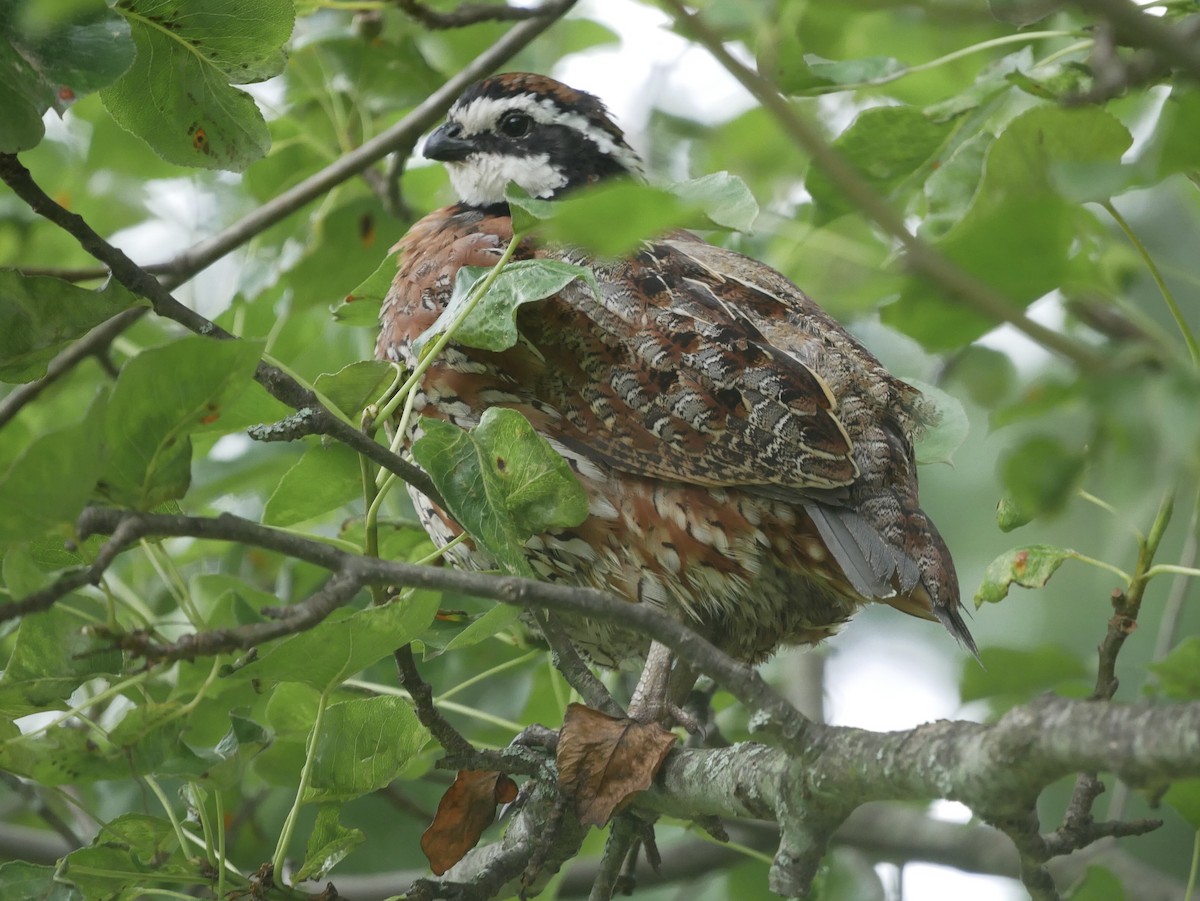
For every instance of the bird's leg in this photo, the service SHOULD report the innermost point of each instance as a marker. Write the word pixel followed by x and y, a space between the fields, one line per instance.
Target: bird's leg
pixel 655 697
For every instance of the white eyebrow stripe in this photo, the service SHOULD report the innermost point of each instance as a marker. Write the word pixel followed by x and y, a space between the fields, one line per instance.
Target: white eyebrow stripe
pixel 482 114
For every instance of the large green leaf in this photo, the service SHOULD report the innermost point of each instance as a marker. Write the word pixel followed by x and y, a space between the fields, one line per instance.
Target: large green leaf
pixel 132 851
pixel 19 879
pixel 178 96
pixel 1041 474
pixel 363 745
pixel 501 481
pixel 55 653
pixel 325 478
pixel 343 645
pixel 1014 675
pixel 492 322
pixel 1018 232
pixel 887 144
pixel 161 397
pixel 47 486
pixel 39 316
pixel 49 60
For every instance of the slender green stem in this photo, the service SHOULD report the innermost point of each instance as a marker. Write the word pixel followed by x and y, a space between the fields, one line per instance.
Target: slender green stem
pixel 289 824
pixel 1188 336
pixel 487 674
pixel 431 351
pixel 1159 568
pixel 1099 502
pixel 1191 883
pixel 451 706
pixel 197 798
pixel 180 835
pixel 222 860
pixel 1091 561
pixel 440 552
pixel 1064 51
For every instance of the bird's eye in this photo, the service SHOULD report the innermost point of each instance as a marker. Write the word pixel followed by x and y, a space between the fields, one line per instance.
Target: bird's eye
pixel 515 125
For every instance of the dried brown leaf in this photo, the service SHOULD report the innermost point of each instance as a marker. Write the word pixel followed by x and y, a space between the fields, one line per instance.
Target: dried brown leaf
pixel 466 809
pixel 603 761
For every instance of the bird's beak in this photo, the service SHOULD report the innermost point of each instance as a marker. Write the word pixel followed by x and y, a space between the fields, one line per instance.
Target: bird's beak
pixel 446 144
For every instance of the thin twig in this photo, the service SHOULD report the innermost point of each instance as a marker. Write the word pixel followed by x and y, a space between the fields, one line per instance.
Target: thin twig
pixel 127 527
pixel 921 256
pixel 568 662
pixel 621 837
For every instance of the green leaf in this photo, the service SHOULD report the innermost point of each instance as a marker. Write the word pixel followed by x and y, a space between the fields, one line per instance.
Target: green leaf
pixel 1017 234
pixel 492 323
pixel 163 395
pixel 54 655
pixel 613 218
pixel 948 425
pixel 50 63
pixel 1010 515
pixel 48 485
pixel 1184 797
pixel 887 145
pixel 1017 674
pixel 339 647
pixel 328 843
pixel 131 851
pixel 353 387
pixel 178 96
pixel 1030 567
pixel 39 316
pixel 808 73
pixel 361 306
pixel 364 744
pixel 501 481
pixel 492 623
pixel 1040 474
pixel 19 879
pixel 1179 672
pixel 723 198
pixel 325 478
pixel 1097 884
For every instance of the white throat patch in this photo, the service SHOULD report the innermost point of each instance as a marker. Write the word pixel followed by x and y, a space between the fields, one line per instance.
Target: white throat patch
pixel 481 178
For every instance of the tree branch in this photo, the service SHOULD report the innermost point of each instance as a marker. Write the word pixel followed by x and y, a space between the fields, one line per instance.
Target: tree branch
pixel 278 383
pixel 963 761
pixel 921 256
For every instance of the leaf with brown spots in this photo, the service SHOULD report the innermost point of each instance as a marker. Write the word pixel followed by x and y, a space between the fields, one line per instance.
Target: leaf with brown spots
pixel 603 761
pixel 1030 567
pixel 466 809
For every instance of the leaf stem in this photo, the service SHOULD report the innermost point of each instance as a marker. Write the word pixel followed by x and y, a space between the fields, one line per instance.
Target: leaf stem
pixel 487 674
pixel 1155 273
pixel 479 289
pixel 1191 883
pixel 180 835
pixel 289 824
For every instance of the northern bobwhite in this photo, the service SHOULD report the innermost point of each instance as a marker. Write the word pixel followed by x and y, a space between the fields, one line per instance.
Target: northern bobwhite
pixel 749 464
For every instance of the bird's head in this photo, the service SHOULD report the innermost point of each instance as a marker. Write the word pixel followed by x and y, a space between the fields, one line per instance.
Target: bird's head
pixel 533 131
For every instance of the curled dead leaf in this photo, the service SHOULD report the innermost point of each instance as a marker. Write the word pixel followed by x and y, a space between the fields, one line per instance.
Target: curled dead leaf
pixel 466 809
pixel 603 761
